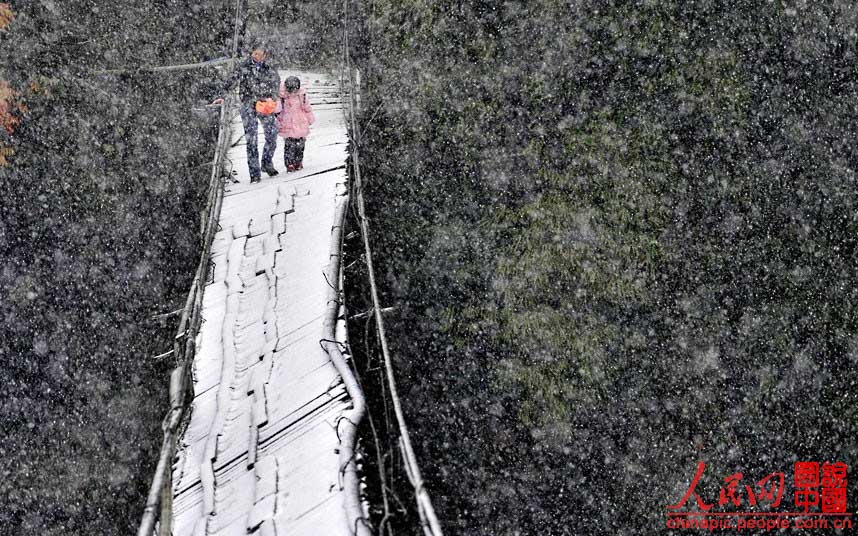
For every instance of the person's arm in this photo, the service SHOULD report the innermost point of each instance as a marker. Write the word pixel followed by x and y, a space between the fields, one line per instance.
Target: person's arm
pixel 305 104
pixel 275 83
pixel 308 109
pixel 229 83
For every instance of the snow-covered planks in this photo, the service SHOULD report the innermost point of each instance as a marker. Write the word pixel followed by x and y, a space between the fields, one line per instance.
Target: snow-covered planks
pixel 260 451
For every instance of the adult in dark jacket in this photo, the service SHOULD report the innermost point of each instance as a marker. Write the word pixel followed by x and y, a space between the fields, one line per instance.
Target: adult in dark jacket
pixel 257 81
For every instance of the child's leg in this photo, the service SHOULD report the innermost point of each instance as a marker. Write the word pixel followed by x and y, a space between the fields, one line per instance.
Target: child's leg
pixel 299 152
pixel 289 151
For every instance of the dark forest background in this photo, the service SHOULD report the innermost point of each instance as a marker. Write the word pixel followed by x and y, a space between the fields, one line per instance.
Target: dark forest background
pixel 99 231
pixel 620 238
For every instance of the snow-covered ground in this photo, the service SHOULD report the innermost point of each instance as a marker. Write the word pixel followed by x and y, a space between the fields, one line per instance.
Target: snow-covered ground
pixel 260 448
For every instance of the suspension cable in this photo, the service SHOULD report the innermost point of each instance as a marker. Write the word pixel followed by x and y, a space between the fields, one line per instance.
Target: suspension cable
pixel 431 526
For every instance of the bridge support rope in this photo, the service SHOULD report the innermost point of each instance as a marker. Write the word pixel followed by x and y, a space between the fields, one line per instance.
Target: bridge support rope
pixel 347 425
pixel 160 491
pixel 428 518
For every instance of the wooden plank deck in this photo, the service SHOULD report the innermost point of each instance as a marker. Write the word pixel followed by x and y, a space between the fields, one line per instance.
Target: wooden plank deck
pixel 259 452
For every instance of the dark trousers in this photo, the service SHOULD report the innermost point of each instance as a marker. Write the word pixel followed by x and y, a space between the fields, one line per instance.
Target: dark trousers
pixel 293 151
pixel 269 129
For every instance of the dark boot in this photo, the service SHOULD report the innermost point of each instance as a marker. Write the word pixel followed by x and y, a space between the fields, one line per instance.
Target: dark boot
pixel 270 170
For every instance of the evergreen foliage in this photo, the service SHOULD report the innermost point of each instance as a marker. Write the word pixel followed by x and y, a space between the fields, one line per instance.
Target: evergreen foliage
pixel 621 239
pixel 98 232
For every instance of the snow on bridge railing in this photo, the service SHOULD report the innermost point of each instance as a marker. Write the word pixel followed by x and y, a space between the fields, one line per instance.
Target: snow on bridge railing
pixel 160 491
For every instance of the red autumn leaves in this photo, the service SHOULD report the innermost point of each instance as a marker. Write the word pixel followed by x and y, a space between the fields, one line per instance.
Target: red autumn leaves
pixel 11 108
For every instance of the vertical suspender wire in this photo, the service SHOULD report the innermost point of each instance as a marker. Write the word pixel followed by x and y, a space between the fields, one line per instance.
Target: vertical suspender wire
pixel 160 491
pixel 429 519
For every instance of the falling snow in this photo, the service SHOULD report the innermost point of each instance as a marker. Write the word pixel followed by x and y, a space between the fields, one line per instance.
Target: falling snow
pixel 615 239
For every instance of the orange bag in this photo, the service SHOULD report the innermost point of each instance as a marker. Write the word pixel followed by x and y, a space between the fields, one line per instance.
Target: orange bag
pixel 266 107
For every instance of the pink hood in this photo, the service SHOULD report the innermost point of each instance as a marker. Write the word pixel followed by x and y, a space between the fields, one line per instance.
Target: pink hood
pixel 296 116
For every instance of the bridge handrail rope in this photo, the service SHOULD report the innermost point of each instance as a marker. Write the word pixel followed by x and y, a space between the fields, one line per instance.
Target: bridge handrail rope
pixel 160 492
pixel 164 68
pixel 347 425
pixel 428 518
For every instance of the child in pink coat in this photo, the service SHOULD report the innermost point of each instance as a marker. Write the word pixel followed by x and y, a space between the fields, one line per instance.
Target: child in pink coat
pixel 294 122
